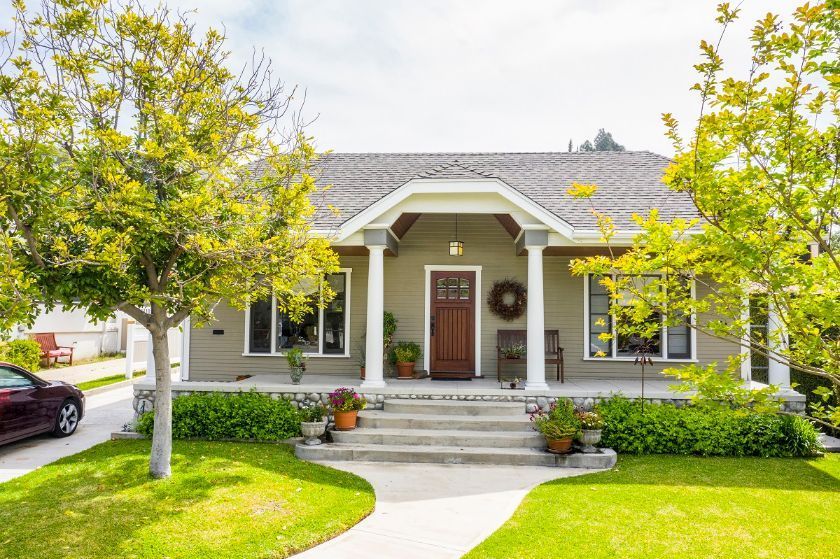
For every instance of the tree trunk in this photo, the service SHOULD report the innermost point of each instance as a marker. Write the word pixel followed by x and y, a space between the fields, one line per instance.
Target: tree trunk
pixel 159 462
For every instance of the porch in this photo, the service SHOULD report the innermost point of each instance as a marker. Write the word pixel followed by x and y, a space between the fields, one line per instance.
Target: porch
pixel 315 388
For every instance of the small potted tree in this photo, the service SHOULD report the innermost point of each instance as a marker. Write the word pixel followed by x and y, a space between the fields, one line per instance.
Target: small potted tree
pixel 346 404
pixel 406 354
pixel 559 426
pixel 297 364
pixel 312 423
pixel 362 361
pixel 591 424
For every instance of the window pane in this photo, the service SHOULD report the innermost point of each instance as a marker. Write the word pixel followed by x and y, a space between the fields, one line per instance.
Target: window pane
pixel 759 364
pixel 441 293
pixel 13 379
pixel 302 334
pixel 260 327
pixel 453 282
pixel 465 283
pixel 334 315
pixel 595 327
pixel 679 346
pixel 630 344
pixel 599 304
pixel 596 345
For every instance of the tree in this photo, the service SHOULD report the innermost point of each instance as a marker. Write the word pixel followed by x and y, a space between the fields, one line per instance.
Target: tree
pixel 603 142
pixel 762 171
pixel 141 174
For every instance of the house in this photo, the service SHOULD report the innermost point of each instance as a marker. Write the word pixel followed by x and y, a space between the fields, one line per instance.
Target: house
pixel 426 235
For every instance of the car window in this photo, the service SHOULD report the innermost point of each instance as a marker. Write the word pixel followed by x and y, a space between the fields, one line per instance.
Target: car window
pixel 9 378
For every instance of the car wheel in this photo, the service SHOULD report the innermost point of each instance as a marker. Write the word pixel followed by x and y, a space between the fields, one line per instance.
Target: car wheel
pixel 67 419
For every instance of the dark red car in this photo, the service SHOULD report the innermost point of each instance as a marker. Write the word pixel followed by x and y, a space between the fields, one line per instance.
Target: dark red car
pixel 30 405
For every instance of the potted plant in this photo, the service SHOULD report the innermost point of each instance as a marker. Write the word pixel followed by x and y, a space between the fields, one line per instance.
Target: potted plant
pixel 297 364
pixel 406 354
pixel 559 426
pixel 591 424
pixel 312 423
pixel 346 404
pixel 514 383
pixel 515 351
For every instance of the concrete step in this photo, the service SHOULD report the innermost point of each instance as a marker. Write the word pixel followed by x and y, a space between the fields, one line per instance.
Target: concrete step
pixel 453 455
pixel 379 419
pixel 441 437
pixel 454 407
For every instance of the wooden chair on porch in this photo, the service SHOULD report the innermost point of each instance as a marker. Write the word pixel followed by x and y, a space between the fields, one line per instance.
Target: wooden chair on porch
pixel 510 338
pixel 50 350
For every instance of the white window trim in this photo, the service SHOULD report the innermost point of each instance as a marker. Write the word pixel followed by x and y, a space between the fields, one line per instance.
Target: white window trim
pixel 427 313
pixel 630 359
pixel 320 353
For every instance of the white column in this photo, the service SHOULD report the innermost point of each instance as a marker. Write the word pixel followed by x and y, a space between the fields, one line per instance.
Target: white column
pixel 374 374
pixel 777 372
pixel 535 321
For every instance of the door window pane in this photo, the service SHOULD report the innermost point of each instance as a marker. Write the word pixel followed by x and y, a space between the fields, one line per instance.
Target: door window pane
pixel 260 327
pixel 335 314
pixel 600 320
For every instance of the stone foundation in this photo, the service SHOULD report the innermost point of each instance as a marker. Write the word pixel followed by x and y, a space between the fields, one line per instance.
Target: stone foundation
pixel 144 397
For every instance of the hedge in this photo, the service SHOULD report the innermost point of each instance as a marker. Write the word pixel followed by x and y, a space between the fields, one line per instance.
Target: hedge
pixel 667 429
pixel 219 415
pixel 23 353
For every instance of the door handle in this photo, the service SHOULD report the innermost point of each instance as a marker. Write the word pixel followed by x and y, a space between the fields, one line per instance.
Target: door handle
pixel 432 326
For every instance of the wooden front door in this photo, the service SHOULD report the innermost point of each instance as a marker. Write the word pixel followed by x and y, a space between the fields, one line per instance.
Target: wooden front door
pixel 452 328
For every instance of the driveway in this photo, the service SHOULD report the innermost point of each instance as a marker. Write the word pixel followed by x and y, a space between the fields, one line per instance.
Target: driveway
pixel 433 511
pixel 105 413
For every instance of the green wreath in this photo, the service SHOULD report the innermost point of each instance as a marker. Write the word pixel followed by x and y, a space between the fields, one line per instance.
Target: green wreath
pixel 507 299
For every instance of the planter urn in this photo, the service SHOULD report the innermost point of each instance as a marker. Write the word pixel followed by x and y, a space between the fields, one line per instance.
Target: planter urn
pixel 589 438
pixel 345 420
pixel 560 446
pixel 405 370
pixel 313 430
pixel 296 373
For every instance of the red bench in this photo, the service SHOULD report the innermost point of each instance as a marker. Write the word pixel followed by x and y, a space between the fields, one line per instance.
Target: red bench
pixel 510 338
pixel 50 350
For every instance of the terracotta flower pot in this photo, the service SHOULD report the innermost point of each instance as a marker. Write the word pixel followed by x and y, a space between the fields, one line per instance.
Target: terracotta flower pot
pixel 560 446
pixel 345 420
pixel 405 370
pixel 362 373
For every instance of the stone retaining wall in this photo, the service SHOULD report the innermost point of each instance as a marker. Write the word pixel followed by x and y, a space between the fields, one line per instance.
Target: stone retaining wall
pixel 144 399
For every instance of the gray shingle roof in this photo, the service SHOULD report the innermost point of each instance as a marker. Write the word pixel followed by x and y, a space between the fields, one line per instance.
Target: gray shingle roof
pixel 628 182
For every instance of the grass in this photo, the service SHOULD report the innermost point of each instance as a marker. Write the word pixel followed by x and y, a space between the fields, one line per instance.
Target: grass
pixel 224 500
pixel 680 507
pixel 105 381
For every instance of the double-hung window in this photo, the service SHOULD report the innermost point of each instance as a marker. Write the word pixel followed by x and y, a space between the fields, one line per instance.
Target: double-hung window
pixel 672 342
pixel 321 331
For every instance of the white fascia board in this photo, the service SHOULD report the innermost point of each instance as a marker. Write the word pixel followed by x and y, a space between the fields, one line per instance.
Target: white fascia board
pixel 467 186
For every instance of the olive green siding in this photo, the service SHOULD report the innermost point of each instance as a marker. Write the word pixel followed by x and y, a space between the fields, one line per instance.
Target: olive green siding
pixel 486 244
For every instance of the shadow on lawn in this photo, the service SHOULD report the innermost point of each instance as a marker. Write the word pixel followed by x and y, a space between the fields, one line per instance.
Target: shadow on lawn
pixel 793 474
pixel 103 497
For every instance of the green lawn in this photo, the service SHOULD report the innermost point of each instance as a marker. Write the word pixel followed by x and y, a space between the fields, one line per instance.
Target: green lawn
pixel 105 381
pixel 224 500
pixel 681 507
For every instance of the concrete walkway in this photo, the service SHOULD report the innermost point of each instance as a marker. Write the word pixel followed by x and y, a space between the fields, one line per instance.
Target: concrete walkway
pixel 88 371
pixel 432 511
pixel 105 413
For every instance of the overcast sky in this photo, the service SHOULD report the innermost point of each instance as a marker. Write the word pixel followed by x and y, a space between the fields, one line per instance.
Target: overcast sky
pixel 483 75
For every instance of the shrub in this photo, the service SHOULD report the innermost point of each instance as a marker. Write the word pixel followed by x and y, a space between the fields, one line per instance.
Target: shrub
pixel 312 414
pixel 667 429
pixel 219 415
pixel 23 353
